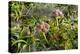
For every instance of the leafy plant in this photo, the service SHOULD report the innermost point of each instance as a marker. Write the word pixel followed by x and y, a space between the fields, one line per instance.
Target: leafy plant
pixel 32 28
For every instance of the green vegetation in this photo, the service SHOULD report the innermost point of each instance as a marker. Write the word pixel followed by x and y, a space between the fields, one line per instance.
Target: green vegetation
pixel 42 26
